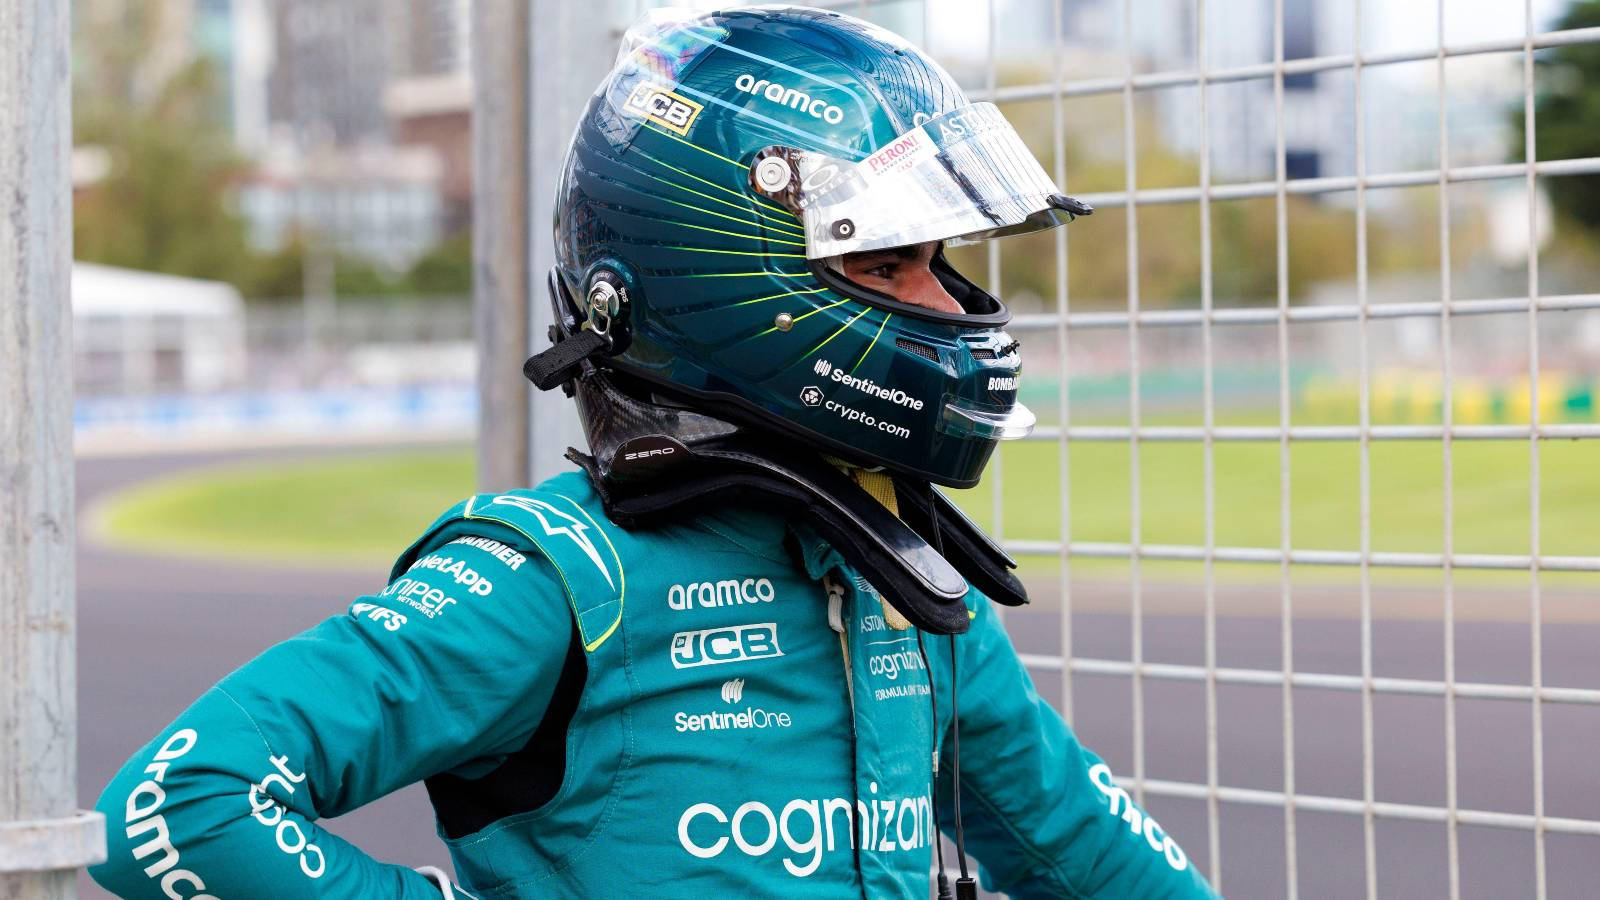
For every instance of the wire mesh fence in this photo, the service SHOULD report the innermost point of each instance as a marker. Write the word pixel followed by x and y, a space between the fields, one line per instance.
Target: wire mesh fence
pixel 1432 366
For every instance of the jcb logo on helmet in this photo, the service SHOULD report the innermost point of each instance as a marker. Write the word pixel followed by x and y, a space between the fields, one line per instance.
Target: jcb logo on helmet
pixel 662 106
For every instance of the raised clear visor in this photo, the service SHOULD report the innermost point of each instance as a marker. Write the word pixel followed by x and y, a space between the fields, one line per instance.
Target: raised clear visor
pixel 966 419
pixel 965 175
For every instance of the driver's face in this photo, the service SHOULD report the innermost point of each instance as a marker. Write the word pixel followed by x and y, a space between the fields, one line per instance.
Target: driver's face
pixel 903 274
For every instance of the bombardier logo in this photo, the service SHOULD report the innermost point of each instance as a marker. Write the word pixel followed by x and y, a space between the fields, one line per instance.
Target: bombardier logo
pixel 815 107
pixel 1003 384
pixel 556 522
pixel 715 646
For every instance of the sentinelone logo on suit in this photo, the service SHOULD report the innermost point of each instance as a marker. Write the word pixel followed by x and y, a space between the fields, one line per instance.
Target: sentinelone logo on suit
pixel 739 720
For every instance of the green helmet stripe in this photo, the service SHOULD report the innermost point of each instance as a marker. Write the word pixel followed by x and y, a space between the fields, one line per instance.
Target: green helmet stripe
pixel 881 326
pixel 668 134
pixel 707 212
pixel 751 237
pixel 730 252
pixel 767 220
pixel 798 319
pixel 842 328
pixel 706 181
pixel 776 296
pixel 744 275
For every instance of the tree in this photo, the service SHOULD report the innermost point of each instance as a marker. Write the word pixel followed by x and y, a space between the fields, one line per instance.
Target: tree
pixel 161 205
pixel 1567 114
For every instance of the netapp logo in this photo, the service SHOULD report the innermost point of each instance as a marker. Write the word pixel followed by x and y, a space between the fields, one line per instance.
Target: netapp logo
pixel 1003 384
pixel 816 108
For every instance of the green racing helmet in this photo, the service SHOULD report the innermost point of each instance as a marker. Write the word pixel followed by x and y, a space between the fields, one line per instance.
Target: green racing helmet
pixel 716 177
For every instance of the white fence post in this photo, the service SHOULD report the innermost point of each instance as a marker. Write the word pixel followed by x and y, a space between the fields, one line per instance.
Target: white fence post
pixel 43 839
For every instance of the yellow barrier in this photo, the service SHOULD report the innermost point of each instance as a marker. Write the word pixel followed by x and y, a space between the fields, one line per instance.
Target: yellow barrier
pixel 1401 397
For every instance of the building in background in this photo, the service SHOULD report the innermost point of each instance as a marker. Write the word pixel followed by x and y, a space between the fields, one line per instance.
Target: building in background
pixel 331 65
pixel 379 202
pixel 429 99
pixel 139 332
pixel 435 112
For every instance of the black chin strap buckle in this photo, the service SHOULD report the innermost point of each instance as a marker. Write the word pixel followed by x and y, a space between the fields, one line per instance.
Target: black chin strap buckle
pixel 560 363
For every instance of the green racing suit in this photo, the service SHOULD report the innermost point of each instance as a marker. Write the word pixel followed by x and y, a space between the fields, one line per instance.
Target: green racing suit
pixel 716 707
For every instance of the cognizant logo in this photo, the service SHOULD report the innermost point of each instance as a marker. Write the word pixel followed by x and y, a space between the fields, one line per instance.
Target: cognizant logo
pixel 815 107
pixel 809 828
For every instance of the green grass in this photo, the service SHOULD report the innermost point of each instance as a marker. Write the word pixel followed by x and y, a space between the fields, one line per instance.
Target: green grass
pixel 1490 478
pixel 346 509
pixel 368 508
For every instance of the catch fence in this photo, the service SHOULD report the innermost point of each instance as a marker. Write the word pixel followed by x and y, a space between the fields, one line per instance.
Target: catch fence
pixel 1207 320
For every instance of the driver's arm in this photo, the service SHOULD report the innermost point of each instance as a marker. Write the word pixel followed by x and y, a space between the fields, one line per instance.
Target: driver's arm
pixel 1041 811
pixel 223 802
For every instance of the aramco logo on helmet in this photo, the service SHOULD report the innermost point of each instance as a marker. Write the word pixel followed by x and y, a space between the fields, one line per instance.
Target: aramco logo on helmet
pixel 815 107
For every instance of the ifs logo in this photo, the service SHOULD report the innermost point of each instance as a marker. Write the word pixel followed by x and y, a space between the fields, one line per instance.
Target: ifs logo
pixel 715 646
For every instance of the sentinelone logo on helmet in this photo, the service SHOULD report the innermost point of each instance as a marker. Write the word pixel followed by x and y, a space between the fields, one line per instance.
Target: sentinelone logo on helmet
pixel 815 107
pixel 866 386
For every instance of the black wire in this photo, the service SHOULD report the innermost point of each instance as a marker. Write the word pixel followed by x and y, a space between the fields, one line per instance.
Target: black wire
pixel 955 706
pixel 933 793
pixel 955 758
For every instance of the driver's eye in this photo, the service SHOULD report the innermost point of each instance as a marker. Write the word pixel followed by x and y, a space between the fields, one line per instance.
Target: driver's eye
pixel 885 271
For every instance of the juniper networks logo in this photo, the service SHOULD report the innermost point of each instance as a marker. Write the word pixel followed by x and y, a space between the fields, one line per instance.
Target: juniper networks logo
pixel 733 691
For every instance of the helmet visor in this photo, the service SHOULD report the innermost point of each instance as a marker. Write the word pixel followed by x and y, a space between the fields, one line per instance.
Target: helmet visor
pixel 963 176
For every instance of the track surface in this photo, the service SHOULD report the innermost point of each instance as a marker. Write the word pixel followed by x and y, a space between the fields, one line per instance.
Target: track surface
pixel 155 633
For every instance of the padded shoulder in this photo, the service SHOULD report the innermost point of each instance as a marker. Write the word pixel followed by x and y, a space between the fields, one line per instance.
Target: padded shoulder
pixel 555 519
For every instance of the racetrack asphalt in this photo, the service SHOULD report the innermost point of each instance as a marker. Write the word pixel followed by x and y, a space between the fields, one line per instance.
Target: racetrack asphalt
pixel 156 632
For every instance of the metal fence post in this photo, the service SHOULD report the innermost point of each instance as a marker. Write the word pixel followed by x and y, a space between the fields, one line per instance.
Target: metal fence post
pixel 42 836
pixel 500 237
